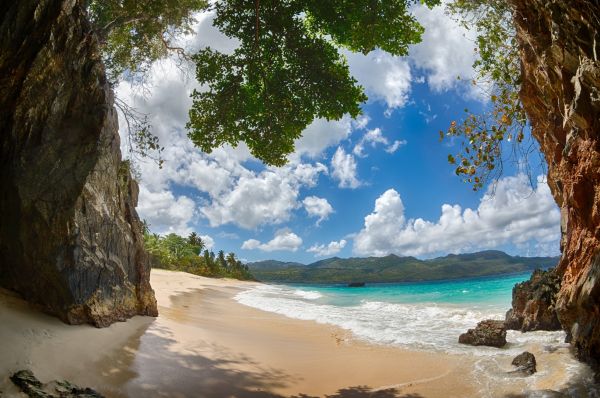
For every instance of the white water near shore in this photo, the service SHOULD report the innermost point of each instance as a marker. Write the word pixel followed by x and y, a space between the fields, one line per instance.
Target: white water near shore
pixel 396 319
pixel 206 344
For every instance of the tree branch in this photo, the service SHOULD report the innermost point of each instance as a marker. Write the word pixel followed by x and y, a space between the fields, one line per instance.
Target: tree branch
pixel 104 31
pixel 179 50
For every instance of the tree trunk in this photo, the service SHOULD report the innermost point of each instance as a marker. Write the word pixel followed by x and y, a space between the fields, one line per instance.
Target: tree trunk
pixel 70 238
pixel 560 46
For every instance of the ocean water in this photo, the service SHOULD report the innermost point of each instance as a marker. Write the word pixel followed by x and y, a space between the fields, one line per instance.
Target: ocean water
pixel 430 316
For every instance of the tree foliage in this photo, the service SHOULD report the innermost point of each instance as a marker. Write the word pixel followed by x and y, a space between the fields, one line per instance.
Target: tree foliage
pixel 135 33
pixel 484 135
pixel 175 252
pixel 288 69
pixel 363 25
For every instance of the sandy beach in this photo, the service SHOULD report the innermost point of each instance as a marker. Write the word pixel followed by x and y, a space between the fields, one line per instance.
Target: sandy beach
pixel 205 344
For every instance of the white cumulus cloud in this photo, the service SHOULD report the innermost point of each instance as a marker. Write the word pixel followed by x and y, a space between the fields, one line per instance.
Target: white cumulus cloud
pixel 266 198
pixel 327 250
pixel 165 213
pixel 374 137
pixel 209 242
pixel 510 214
pixel 344 169
pixel 317 207
pixel 395 146
pixel 445 52
pixel 235 193
pixel 229 190
pixel 284 240
pixel 386 78
pixel 321 134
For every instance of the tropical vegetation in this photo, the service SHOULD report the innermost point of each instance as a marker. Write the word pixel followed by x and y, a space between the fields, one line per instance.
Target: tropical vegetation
pixel 189 254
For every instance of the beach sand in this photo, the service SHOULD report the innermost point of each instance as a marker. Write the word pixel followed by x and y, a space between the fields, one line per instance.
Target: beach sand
pixel 205 344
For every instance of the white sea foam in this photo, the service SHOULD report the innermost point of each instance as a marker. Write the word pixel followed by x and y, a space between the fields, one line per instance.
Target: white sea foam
pixel 426 326
pixel 308 294
pixel 417 326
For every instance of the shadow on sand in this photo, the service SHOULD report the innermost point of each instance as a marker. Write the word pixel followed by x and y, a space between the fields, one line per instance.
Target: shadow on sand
pixel 151 366
pixel 364 392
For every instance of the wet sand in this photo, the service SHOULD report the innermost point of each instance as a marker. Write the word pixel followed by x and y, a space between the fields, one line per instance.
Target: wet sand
pixel 205 344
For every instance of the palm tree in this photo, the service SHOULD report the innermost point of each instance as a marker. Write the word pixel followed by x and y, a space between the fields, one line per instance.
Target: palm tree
pixel 231 261
pixel 196 241
pixel 145 227
pixel 221 260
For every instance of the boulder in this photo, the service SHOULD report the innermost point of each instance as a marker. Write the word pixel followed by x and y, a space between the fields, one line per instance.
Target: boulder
pixel 533 303
pixel 525 363
pixel 489 332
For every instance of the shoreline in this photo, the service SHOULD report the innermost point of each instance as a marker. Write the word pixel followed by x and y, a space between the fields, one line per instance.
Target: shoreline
pixel 405 282
pixel 206 344
pixel 272 355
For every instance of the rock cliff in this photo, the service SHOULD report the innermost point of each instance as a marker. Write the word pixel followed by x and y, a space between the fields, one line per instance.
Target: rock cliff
pixel 559 48
pixel 70 237
pixel 534 303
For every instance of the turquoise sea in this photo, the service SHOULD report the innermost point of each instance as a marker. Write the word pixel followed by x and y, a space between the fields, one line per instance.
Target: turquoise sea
pixel 486 292
pixel 430 316
pixel 421 315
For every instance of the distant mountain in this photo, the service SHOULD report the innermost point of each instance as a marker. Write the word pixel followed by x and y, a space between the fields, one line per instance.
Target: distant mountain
pixel 274 264
pixel 393 268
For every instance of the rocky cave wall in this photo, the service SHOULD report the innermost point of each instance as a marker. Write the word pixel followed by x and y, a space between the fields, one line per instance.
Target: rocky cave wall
pixel 559 47
pixel 70 237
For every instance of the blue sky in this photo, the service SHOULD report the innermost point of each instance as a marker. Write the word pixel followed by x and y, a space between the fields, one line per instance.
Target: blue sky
pixel 376 185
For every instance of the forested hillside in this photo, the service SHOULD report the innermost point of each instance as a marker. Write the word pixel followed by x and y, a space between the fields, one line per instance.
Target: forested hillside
pixel 393 268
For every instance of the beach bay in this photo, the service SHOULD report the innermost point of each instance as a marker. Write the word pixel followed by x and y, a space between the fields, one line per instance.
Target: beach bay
pixel 204 343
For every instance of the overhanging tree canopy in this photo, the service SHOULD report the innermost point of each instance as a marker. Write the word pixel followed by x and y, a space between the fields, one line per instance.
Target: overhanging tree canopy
pixel 287 70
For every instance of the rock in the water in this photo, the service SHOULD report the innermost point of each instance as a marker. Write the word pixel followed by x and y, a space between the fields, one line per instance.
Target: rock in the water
pixel 558 46
pixel 489 332
pixel 533 303
pixel 33 388
pixel 526 364
pixel 70 237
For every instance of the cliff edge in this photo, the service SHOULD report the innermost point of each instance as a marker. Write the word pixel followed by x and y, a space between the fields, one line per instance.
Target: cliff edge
pixel 559 47
pixel 70 237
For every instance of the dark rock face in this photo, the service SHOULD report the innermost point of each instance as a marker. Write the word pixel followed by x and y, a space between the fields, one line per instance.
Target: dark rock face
pixel 526 364
pixel 32 387
pixel 559 49
pixel 533 303
pixel 70 238
pixel 489 332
